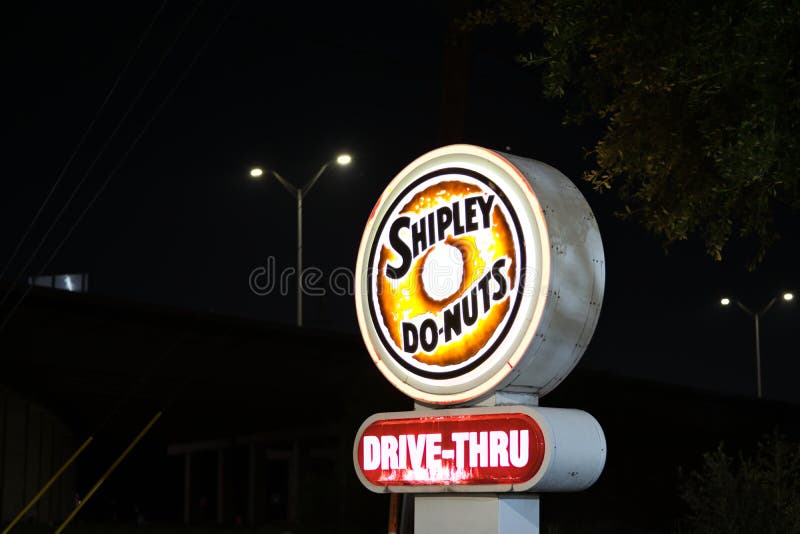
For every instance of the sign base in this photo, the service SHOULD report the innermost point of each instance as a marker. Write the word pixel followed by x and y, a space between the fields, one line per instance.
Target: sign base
pixel 476 514
pixel 479 513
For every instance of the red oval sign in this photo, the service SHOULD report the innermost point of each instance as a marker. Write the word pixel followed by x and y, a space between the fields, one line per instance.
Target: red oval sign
pixel 476 449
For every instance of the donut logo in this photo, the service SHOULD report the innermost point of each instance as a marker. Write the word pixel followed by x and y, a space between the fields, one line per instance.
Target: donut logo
pixel 446 271
pixel 479 271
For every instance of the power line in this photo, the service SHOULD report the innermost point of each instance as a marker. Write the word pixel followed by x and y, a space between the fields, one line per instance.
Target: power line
pixel 122 160
pixel 102 150
pixel 83 138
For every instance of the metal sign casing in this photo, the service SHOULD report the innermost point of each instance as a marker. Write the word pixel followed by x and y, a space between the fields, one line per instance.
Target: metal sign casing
pixel 478 271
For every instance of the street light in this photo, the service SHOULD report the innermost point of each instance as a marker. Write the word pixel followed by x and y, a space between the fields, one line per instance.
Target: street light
pixel 756 315
pixel 299 193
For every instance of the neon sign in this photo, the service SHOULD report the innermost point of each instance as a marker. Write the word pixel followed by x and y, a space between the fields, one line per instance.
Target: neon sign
pixel 479 449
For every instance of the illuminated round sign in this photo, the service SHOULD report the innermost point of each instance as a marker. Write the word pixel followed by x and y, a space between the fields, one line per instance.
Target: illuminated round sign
pixel 478 271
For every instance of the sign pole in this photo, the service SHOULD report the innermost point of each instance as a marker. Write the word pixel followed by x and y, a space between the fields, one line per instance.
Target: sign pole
pixel 447 513
pixel 490 513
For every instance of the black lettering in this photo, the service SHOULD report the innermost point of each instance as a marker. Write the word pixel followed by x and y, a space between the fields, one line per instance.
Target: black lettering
pixel 471 212
pixel 418 243
pixel 428 335
pixel 486 208
pixel 458 228
pixel 443 219
pixel 470 316
pixel 483 285
pixel 431 228
pixel 500 279
pixel 400 247
pixel 410 338
pixel 452 322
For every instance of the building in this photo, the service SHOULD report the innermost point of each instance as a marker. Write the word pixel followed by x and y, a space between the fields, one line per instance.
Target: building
pixel 259 420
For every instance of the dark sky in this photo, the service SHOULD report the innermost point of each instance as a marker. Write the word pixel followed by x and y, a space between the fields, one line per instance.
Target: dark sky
pixel 181 224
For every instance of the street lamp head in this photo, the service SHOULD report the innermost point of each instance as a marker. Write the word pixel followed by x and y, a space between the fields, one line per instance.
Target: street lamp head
pixel 256 172
pixel 344 159
pixel 788 297
pixel 725 301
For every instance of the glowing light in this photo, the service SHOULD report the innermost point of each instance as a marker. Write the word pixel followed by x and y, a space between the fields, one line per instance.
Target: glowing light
pixel 725 301
pixel 344 159
pixel 70 287
pixel 788 296
pixel 256 172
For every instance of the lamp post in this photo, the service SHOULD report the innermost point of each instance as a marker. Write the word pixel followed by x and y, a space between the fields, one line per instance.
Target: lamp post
pixel 299 193
pixel 756 316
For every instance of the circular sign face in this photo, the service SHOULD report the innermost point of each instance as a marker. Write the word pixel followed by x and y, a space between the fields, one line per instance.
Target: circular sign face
pixel 453 275
pixel 449 261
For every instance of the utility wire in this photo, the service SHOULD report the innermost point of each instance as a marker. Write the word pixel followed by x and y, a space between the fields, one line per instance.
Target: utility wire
pixel 106 144
pixel 122 160
pixel 156 363
pixel 82 140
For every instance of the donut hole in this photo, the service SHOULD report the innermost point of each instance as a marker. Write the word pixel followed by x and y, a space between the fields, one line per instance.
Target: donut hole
pixel 442 271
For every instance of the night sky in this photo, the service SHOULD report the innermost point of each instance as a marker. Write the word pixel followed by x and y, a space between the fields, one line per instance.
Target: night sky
pixel 180 223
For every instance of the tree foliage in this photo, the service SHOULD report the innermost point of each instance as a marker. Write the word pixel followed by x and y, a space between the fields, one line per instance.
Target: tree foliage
pixel 700 102
pixel 751 494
